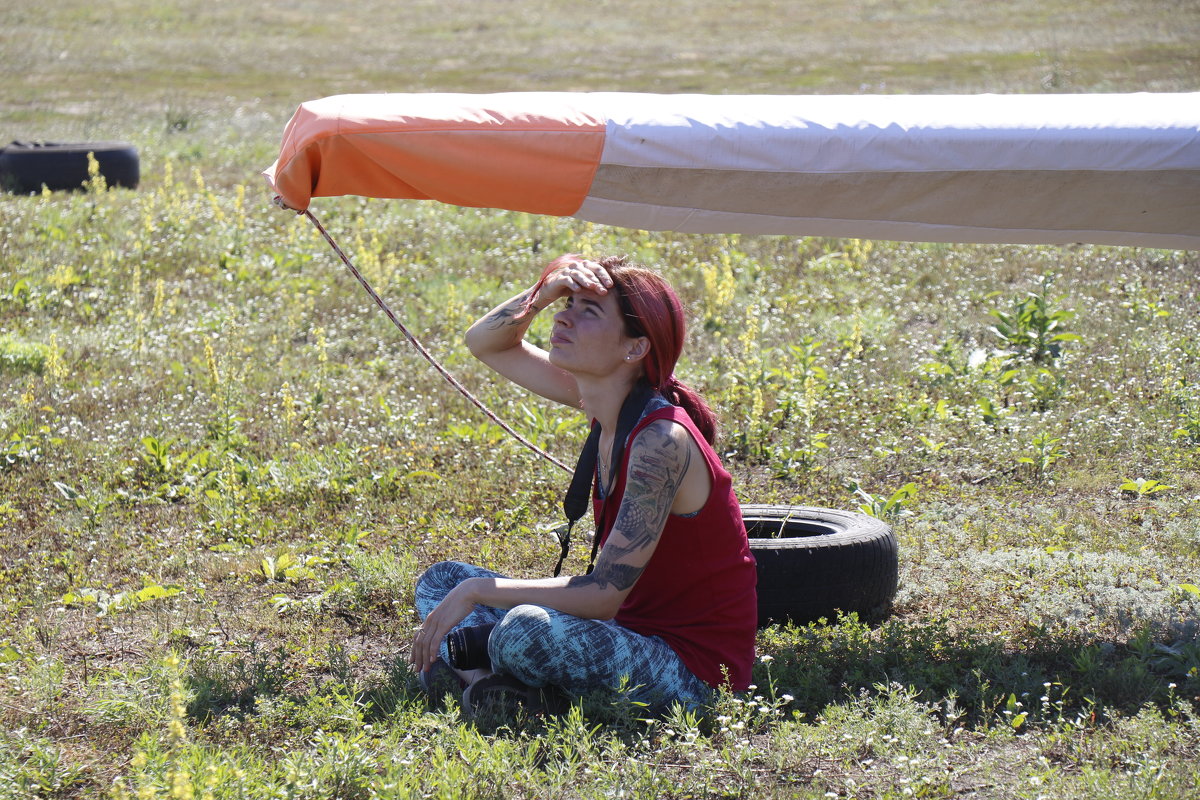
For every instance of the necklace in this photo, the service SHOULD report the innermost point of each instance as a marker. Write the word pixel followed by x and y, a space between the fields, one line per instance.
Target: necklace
pixel 602 457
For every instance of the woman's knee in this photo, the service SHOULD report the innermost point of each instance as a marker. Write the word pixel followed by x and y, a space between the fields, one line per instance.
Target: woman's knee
pixel 520 625
pixel 522 640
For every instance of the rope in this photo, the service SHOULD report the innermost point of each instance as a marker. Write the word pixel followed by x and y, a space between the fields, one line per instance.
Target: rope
pixel 421 348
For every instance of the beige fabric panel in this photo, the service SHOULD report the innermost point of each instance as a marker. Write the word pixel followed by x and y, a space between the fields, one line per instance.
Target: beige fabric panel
pixel 1162 202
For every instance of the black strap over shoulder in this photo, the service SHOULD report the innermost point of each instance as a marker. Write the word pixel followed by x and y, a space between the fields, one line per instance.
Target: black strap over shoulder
pixel 575 502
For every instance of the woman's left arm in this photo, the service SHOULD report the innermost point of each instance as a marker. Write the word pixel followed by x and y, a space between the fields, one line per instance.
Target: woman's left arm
pixel 659 458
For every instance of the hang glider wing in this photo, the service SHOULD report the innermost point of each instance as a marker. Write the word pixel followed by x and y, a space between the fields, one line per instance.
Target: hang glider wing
pixel 1118 169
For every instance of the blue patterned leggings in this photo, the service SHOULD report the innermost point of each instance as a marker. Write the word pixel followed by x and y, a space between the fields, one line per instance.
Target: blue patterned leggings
pixel 540 646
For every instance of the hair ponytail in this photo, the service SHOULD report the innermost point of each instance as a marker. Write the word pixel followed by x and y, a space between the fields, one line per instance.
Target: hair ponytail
pixel 687 398
pixel 653 310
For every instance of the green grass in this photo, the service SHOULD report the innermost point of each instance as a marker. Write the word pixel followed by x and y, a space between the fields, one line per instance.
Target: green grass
pixel 221 469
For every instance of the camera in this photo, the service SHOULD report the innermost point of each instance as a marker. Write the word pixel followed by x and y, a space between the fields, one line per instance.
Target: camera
pixel 468 647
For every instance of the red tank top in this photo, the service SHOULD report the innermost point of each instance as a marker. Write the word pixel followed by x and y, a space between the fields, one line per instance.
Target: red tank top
pixel 698 590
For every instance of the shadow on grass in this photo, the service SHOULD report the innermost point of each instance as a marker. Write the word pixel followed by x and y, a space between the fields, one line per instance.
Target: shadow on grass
pixel 971 679
pixel 973 675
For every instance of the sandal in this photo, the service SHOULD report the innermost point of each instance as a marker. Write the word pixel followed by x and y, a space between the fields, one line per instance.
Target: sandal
pixel 499 695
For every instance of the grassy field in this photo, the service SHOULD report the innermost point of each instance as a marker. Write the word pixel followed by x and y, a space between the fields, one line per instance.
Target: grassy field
pixel 221 469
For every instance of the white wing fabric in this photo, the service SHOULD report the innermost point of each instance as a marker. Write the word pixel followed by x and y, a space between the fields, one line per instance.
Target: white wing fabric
pixel 1116 169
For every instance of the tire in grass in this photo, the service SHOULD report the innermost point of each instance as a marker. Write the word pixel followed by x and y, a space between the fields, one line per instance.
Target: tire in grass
pixel 815 562
pixel 25 167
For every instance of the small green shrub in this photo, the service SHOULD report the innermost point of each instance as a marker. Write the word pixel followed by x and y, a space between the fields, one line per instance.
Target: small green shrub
pixel 1033 330
pixel 18 356
pixel 218 683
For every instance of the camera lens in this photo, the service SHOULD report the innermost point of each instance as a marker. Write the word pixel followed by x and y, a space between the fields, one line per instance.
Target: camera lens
pixel 468 647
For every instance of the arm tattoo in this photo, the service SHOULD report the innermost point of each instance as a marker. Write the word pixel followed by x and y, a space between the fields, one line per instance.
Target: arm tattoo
pixel 510 313
pixel 657 463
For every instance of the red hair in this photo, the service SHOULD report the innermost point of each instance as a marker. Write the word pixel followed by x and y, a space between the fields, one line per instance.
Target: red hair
pixel 651 308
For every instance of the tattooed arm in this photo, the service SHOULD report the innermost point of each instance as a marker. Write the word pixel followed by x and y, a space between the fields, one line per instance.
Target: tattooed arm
pixel 659 458
pixel 503 327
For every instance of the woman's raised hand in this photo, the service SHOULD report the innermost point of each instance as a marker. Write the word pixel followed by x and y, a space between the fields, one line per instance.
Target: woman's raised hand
pixel 498 338
pixel 572 273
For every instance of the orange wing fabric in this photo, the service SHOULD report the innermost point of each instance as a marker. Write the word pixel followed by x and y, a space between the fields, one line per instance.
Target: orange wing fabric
pixel 534 152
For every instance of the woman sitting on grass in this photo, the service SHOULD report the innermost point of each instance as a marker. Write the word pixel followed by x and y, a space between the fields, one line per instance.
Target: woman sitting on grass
pixel 669 610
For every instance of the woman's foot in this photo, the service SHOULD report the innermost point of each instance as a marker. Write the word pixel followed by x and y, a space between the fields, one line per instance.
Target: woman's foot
pixel 503 696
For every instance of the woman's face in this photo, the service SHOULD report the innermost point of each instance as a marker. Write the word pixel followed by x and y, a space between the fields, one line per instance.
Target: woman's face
pixel 589 335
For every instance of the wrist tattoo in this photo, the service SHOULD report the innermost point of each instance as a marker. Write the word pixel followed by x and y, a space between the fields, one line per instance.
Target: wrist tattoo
pixel 511 313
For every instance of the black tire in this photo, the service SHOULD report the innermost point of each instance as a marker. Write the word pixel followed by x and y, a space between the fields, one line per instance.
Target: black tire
pixel 815 562
pixel 27 166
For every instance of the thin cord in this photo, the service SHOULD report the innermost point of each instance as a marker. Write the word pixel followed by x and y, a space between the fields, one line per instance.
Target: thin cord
pixel 428 357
